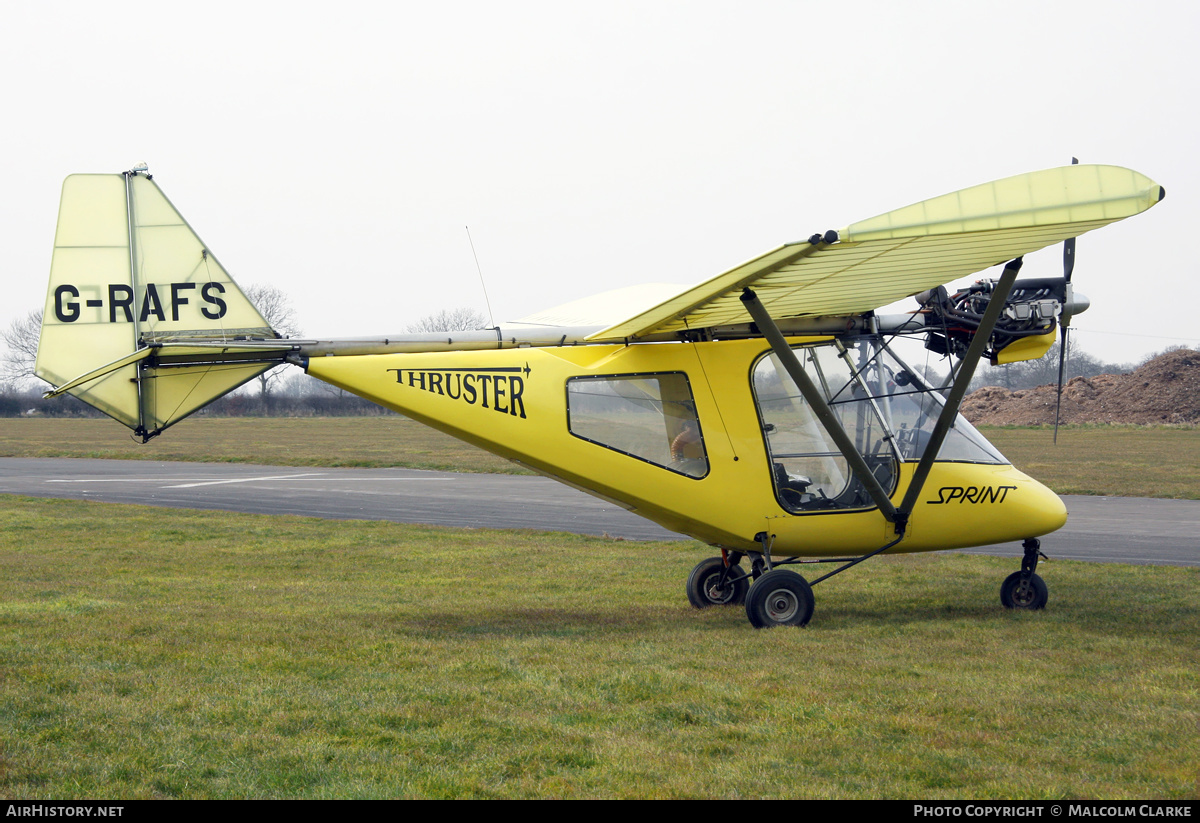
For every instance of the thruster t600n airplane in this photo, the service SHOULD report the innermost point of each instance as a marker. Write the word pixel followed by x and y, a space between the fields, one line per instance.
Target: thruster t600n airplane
pixel 763 411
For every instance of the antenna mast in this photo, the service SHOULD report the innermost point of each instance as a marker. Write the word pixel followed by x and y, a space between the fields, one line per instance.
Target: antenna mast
pixel 478 268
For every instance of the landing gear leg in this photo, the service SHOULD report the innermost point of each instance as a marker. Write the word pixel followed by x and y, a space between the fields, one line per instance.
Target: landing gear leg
pixel 1025 589
pixel 758 565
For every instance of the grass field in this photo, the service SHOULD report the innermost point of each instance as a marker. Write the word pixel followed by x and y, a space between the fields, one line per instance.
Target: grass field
pixel 1125 461
pixel 364 442
pixel 176 654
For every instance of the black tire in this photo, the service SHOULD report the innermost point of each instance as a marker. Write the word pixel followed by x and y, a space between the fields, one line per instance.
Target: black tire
pixel 780 598
pixel 703 589
pixel 1015 593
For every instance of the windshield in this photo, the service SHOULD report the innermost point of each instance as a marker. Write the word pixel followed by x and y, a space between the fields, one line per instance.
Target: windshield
pixel 911 407
pixel 882 405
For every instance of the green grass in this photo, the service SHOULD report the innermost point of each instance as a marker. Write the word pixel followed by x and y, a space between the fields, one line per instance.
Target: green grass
pixel 1124 461
pixel 157 653
pixel 1108 460
pixel 364 442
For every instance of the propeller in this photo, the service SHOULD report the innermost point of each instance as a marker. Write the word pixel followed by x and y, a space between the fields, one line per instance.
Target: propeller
pixel 1064 318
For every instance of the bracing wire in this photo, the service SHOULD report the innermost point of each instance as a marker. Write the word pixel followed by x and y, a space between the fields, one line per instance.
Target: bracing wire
pixel 478 268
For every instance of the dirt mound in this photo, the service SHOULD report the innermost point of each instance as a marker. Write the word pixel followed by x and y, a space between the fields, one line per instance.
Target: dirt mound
pixel 1163 390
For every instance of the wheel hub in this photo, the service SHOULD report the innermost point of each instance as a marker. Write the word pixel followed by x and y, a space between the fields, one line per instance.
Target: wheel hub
pixel 715 591
pixel 1023 594
pixel 782 605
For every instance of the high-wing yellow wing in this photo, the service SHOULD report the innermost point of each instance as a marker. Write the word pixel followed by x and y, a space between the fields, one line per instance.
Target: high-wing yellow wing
pixel 906 251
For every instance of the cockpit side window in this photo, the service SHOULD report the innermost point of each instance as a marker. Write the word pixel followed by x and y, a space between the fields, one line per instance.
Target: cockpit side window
pixel 651 417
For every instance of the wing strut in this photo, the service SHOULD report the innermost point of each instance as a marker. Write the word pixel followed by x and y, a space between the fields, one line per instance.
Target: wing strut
pixel 862 472
pixel 962 379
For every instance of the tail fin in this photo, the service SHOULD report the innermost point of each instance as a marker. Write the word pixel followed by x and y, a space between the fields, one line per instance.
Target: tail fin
pixel 140 320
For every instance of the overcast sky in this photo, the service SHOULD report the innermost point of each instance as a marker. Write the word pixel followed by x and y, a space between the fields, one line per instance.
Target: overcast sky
pixel 338 150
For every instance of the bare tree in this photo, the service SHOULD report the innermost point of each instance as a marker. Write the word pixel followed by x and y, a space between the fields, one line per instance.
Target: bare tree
pixel 21 339
pixel 276 308
pixel 460 319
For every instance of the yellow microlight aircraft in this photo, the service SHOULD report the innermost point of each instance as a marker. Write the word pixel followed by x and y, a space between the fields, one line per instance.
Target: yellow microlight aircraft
pixel 762 411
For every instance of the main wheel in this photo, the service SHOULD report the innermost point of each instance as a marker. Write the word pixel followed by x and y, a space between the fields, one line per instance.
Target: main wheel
pixel 1017 593
pixel 704 586
pixel 780 598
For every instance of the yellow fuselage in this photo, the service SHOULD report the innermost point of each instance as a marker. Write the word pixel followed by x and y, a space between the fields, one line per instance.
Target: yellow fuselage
pixel 514 402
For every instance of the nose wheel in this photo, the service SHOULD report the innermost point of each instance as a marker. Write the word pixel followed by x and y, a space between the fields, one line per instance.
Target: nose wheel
pixel 1019 592
pixel 1025 589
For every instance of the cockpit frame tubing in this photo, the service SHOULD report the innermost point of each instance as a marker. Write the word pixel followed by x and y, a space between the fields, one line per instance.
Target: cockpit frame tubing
pixel 862 472
pixel 872 396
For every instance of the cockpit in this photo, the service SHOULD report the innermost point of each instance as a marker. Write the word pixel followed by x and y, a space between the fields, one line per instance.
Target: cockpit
pixel 885 407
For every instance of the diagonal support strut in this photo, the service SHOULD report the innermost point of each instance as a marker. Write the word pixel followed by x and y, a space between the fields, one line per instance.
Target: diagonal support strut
pixel 862 472
pixel 962 379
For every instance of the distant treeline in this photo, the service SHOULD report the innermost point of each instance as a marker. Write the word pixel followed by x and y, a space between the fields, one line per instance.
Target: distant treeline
pixel 26 402
pixel 321 402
